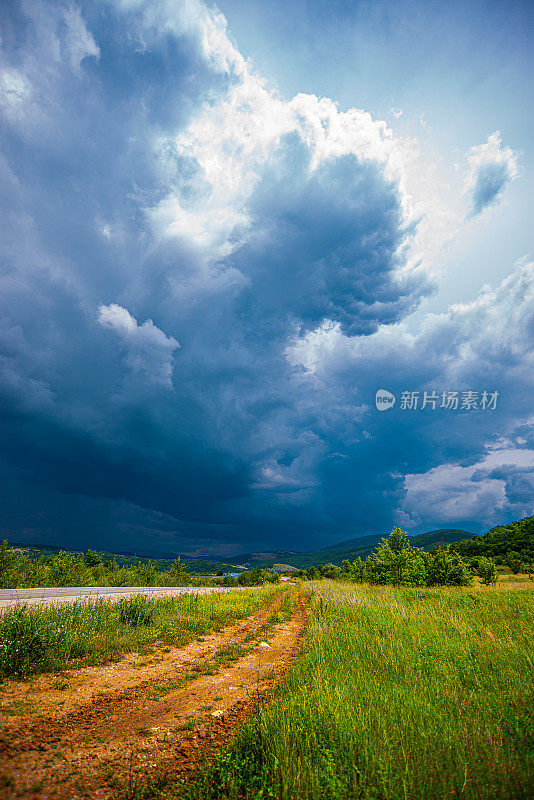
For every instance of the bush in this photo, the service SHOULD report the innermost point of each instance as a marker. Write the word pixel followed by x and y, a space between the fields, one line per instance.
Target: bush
pixel 26 642
pixel 136 611
pixel 514 561
pixel 487 571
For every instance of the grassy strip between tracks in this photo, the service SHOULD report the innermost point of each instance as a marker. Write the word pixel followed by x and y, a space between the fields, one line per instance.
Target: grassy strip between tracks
pixel 398 693
pixel 34 639
pixel 226 655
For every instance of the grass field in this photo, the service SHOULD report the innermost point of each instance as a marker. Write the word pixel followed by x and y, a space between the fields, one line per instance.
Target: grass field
pixel 34 639
pixel 398 693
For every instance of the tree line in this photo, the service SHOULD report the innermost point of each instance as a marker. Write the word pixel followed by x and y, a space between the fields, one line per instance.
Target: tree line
pixel 509 545
pixel 18 571
pixel 396 562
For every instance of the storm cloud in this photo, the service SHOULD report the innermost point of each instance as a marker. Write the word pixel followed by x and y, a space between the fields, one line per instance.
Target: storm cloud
pixel 203 286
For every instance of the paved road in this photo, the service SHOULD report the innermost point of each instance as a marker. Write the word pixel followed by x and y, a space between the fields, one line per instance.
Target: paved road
pixel 69 594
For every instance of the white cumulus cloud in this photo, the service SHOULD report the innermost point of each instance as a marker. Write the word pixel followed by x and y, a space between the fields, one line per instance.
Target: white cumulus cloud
pixel 15 91
pixel 149 350
pixel 225 150
pixel 492 166
pixel 79 42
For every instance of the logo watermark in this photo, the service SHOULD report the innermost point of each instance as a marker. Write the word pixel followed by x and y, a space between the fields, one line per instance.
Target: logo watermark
pixel 447 400
pixel 384 400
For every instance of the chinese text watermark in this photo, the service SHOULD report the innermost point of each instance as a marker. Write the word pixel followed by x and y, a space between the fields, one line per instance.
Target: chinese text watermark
pixel 447 400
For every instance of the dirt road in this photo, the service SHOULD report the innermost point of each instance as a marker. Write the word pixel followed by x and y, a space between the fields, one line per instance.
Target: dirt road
pixel 98 732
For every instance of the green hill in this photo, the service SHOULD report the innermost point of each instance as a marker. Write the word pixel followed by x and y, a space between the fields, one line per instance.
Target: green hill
pixel 201 566
pixel 435 538
pixel 517 536
pixel 336 553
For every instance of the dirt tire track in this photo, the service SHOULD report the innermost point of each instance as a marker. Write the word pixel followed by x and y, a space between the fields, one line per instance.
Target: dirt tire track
pixel 88 685
pixel 107 740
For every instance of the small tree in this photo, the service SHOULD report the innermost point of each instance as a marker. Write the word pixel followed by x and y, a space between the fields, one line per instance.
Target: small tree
pixel 271 576
pixel 514 561
pixel 358 570
pixel 246 578
pixel 16 569
pixel 92 559
pixel 487 571
pixel 256 575
pixel 330 571
pixel 147 572
pixel 400 549
pixel 446 568
pixel 66 569
pixel 176 576
pixel 416 573
pixel 388 564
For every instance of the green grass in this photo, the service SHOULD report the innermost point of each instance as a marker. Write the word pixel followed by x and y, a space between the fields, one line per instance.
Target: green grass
pixel 399 694
pixel 34 639
pixel 159 690
pixel 286 609
pixel 187 726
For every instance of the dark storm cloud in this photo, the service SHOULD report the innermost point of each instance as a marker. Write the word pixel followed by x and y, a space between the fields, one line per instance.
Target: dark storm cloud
pixel 484 345
pixel 326 242
pixel 203 285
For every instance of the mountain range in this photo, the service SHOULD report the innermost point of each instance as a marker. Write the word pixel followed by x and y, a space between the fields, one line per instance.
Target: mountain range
pixel 334 554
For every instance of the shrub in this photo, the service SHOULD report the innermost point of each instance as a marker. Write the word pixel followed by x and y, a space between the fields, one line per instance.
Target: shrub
pixel 136 611
pixel 514 561
pixel 26 641
pixel 487 571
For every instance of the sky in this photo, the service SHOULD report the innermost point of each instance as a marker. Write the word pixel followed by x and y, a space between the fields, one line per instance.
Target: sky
pixel 267 272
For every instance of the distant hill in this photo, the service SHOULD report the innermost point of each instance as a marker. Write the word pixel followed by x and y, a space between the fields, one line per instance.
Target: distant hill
pixel 266 559
pixel 517 536
pixel 336 553
pixel 263 559
pixel 202 566
pixel 434 538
